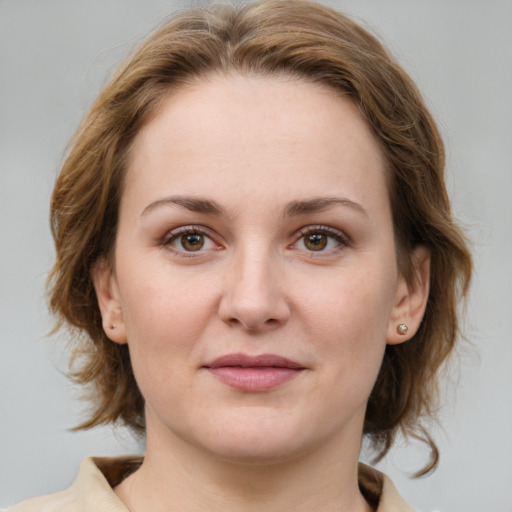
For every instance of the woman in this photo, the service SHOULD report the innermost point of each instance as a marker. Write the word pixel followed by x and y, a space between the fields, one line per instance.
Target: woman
pixel 253 231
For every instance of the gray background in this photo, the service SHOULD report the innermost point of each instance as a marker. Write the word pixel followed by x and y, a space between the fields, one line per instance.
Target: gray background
pixel 54 57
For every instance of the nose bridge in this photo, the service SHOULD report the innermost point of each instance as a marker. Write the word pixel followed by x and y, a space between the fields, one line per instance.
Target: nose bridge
pixel 253 296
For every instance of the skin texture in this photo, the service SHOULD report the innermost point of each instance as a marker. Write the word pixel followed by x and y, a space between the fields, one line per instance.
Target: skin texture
pixel 256 147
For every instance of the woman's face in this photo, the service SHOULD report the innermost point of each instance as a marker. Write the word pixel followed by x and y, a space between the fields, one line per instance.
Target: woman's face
pixel 255 275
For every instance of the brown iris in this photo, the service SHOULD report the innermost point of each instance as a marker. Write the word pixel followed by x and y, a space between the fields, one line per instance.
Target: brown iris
pixel 315 241
pixel 192 241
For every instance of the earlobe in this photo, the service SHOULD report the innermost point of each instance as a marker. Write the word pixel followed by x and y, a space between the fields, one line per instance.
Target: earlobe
pixel 107 294
pixel 411 299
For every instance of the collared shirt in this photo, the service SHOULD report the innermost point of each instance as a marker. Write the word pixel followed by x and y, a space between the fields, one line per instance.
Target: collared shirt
pixel 93 491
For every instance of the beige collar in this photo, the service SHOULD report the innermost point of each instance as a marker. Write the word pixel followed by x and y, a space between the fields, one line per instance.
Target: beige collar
pixel 93 491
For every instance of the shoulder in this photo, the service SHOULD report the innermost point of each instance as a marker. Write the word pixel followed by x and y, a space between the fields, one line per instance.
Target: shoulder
pixel 379 490
pixel 58 502
pixel 92 491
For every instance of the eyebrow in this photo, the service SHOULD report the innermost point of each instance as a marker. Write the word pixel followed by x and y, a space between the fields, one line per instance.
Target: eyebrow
pixel 293 209
pixel 194 204
pixel 320 204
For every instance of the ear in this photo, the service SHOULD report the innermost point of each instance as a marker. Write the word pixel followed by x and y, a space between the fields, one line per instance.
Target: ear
pixel 411 298
pixel 107 293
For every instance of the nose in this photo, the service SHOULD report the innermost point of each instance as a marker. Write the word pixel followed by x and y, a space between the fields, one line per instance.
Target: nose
pixel 254 295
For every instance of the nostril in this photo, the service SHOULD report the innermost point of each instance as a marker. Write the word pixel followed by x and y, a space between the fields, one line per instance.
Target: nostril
pixel 253 324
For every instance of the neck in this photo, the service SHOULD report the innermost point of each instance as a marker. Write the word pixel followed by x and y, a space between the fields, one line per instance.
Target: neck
pixel 182 477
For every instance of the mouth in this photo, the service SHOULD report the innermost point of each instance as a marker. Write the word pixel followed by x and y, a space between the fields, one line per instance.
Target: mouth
pixel 254 373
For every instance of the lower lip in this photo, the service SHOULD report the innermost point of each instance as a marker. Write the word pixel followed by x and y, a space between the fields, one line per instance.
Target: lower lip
pixel 254 379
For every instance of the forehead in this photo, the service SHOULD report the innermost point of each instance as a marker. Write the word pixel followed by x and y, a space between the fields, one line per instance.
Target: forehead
pixel 258 134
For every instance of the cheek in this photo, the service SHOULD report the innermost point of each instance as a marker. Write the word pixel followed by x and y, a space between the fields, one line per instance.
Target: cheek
pixel 357 302
pixel 165 314
pixel 347 320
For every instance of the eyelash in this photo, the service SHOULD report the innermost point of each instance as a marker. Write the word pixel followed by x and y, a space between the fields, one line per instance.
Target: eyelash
pixel 175 234
pixel 327 231
pixel 342 239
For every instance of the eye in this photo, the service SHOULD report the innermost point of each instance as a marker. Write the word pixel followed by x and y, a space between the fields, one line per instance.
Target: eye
pixel 189 240
pixel 320 239
pixel 316 241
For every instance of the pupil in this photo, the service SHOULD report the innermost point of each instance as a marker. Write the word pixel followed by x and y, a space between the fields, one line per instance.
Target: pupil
pixel 316 242
pixel 192 242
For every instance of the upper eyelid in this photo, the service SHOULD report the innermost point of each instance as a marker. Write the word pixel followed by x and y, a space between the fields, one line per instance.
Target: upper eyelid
pixel 327 230
pixel 183 230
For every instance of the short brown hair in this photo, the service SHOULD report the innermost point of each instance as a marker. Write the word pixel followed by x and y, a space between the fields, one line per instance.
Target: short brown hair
pixel 304 40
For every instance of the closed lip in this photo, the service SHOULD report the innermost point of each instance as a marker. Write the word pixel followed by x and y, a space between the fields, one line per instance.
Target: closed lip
pixel 254 374
pixel 259 361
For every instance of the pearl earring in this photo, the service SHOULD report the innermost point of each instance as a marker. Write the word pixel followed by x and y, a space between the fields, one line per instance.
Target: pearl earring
pixel 402 329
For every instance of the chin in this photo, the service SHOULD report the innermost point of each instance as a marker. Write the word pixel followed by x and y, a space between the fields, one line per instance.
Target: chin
pixel 257 442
